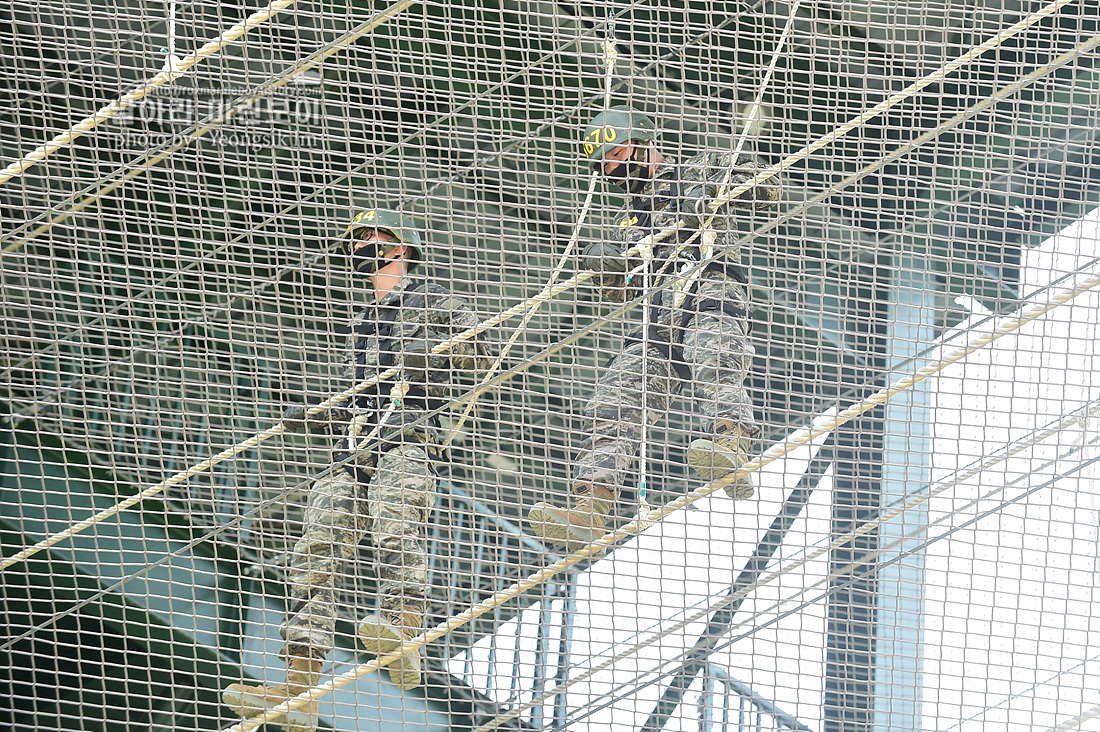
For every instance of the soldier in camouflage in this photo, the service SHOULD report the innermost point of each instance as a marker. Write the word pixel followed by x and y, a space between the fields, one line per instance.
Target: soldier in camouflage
pixel 699 326
pixel 383 483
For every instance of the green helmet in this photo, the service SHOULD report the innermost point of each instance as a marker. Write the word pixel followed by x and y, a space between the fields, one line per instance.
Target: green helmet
pixel 395 222
pixel 616 127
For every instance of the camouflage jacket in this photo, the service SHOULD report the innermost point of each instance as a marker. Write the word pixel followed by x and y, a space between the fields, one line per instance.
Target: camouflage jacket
pixel 401 329
pixel 682 192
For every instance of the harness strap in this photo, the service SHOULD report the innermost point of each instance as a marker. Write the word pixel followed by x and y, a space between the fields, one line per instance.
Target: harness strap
pixel 641 207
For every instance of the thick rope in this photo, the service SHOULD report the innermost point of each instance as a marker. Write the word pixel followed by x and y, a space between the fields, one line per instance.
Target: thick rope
pixel 533 302
pixel 164 77
pixel 821 425
pixel 214 121
pixel 1077 721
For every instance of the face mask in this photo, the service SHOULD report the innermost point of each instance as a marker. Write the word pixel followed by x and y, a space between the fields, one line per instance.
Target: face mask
pixel 365 259
pixel 630 175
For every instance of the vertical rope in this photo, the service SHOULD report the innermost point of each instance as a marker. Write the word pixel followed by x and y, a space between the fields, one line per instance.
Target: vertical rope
pixel 642 517
pixel 610 55
pixel 172 62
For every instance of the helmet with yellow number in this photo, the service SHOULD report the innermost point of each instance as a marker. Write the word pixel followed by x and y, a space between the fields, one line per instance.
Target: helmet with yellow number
pixel 395 223
pixel 617 126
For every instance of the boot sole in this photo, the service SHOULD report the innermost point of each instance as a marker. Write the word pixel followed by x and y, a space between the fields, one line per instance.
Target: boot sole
pixel 712 461
pixel 382 638
pixel 547 522
pixel 248 703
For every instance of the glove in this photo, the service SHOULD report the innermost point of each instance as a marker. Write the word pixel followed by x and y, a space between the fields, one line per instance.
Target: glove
pixel 294 419
pixel 605 258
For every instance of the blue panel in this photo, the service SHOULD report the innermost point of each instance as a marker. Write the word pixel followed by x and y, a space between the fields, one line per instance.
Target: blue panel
pixel 906 471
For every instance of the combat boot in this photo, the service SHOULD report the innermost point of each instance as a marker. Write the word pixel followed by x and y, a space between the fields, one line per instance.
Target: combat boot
pixel 384 631
pixel 578 526
pixel 250 701
pixel 717 458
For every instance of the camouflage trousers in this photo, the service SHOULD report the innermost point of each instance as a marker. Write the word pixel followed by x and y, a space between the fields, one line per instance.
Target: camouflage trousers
pixel 710 338
pixel 393 510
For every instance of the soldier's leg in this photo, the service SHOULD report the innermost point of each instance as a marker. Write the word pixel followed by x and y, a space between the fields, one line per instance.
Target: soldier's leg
pixel 606 457
pixel 336 521
pixel 719 353
pixel 402 494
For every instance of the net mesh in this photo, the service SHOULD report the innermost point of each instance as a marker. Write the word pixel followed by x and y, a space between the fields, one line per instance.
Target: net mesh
pixel 918 554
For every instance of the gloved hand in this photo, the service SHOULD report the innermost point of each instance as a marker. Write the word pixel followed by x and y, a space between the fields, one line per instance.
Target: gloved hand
pixel 294 419
pixel 604 257
pixel 414 355
pixel 691 210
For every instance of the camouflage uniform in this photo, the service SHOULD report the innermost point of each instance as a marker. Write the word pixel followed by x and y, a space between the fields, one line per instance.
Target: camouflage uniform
pixel 387 490
pixel 703 340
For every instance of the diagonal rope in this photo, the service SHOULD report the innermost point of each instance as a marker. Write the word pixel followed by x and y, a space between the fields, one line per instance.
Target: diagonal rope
pixel 175 70
pixel 1032 690
pixel 547 293
pixel 821 425
pixel 1077 721
pixel 142 165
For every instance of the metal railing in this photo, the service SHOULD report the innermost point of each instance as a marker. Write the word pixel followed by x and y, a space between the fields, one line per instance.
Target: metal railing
pixel 473 553
pixel 726 704
pixel 518 663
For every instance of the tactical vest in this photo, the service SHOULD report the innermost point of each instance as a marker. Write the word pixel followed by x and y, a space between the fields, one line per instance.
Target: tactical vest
pixel 416 402
pixel 641 214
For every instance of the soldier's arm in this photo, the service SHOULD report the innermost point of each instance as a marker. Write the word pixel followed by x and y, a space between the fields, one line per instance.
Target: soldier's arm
pixel 329 421
pixel 697 195
pixel 442 316
pixel 332 420
pixel 471 354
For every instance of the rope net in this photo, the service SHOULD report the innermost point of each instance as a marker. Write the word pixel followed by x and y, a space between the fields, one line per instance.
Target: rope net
pixel 516 509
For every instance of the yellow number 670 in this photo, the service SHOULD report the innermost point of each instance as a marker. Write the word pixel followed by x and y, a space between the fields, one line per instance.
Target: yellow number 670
pixel 598 136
